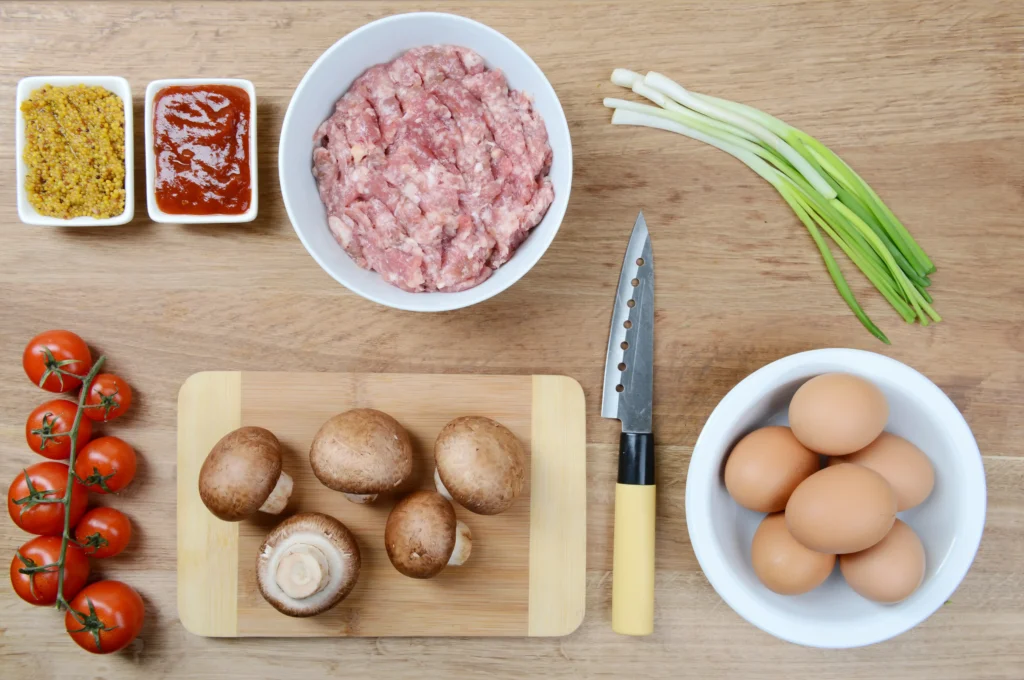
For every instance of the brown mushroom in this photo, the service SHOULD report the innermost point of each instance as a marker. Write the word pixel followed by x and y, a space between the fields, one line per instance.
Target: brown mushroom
pixel 422 535
pixel 480 464
pixel 242 475
pixel 362 453
pixel 307 564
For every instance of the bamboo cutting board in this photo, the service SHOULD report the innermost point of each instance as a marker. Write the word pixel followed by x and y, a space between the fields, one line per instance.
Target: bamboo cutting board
pixel 526 574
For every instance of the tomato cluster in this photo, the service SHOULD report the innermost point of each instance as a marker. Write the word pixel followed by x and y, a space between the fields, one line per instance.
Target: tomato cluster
pixel 105 616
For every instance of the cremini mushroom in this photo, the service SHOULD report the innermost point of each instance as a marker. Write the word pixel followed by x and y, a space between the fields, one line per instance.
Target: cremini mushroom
pixel 307 564
pixel 242 475
pixel 422 535
pixel 362 453
pixel 479 464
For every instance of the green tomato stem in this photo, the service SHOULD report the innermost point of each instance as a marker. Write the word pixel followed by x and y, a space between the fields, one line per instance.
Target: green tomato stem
pixel 66 536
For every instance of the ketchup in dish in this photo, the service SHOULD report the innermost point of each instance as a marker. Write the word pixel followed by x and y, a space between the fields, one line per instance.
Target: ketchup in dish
pixel 201 140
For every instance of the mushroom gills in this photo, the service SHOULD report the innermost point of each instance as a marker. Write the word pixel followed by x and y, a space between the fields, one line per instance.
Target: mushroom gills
pixel 361 498
pixel 278 498
pixel 463 545
pixel 302 545
pixel 302 571
pixel 441 488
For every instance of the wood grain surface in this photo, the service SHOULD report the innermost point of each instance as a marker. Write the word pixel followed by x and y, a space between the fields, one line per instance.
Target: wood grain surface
pixel 923 98
pixel 526 574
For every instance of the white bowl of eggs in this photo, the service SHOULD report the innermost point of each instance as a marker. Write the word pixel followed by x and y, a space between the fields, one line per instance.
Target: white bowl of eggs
pixel 835 498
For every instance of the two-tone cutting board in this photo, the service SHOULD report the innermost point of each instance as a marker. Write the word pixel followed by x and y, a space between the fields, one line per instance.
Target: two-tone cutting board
pixel 526 575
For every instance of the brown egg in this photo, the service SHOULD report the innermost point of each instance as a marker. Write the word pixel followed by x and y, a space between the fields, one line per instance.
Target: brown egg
pixel 841 509
pixel 890 570
pixel 837 413
pixel 765 466
pixel 782 563
pixel 904 466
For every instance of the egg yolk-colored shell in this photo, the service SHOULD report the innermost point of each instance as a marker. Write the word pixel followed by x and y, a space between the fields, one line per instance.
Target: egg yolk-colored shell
pixel 904 466
pixel 837 413
pixel 889 571
pixel 765 466
pixel 841 509
pixel 782 563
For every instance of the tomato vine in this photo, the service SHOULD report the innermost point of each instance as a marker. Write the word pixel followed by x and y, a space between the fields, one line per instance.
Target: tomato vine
pixel 36 497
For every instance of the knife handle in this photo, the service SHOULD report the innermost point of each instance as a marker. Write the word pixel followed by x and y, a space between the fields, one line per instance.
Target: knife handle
pixel 633 560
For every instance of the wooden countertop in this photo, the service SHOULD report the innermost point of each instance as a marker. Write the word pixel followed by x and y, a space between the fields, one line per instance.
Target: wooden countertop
pixel 924 99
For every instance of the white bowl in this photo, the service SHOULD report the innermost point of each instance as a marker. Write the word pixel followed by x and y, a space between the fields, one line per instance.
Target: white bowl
pixel 120 87
pixel 158 215
pixel 949 522
pixel 331 76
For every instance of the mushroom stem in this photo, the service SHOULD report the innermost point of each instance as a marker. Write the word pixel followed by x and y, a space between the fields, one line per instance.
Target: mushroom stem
pixel 278 498
pixel 441 489
pixel 463 545
pixel 361 498
pixel 303 571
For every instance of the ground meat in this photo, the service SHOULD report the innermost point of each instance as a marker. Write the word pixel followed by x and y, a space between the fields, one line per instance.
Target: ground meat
pixel 432 171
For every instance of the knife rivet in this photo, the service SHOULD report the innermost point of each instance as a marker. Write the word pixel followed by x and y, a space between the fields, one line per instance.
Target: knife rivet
pixel 630 303
pixel 624 345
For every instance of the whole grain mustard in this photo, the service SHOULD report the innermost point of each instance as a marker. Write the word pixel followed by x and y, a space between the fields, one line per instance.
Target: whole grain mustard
pixel 74 151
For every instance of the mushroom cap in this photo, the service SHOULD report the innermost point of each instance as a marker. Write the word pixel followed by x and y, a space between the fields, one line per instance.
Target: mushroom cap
pixel 362 451
pixel 240 472
pixel 330 537
pixel 420 534
pixel 481 463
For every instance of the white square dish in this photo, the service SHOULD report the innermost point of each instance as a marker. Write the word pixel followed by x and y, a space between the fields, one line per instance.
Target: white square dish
pixel 158 215
pixel 119 86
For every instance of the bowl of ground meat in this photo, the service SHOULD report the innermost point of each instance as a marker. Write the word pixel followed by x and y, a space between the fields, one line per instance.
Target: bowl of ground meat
pixel 425 162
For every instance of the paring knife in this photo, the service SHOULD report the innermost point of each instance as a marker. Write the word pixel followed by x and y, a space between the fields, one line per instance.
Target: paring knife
pixel 628 397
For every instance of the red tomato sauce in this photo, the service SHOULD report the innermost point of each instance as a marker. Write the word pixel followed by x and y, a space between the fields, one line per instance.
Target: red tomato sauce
pixel 201 140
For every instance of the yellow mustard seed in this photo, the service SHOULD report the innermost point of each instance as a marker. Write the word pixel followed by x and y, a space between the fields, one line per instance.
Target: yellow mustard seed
pixel 74 151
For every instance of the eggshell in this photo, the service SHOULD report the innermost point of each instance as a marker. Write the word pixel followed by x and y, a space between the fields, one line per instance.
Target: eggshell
pixel 889 571
pixel 765 466
pixel 837 413
pixel 841 509
pixel 904 466
pixel 782 563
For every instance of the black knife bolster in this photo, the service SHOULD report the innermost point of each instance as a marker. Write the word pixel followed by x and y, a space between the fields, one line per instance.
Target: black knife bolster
pixel 636 458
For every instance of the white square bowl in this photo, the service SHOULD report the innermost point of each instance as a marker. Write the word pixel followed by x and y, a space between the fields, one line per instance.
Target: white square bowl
pixel 115 84
pixel 158 215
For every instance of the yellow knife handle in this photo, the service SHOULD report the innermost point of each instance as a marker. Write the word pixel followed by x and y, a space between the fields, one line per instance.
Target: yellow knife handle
pixel 633 559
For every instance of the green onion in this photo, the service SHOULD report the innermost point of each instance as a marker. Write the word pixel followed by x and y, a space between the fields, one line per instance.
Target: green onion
pixel 822 190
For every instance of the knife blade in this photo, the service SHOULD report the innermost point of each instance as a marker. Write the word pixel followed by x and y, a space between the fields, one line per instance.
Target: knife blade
pixel 628 397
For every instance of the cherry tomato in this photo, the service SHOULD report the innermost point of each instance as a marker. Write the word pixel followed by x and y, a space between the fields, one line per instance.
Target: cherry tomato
pixel 44 482
pixel 48 426
pixel 105 617
pixel 109 397
pixel 34 571
pixel 53 359
pixel 106 465
pixel 103 532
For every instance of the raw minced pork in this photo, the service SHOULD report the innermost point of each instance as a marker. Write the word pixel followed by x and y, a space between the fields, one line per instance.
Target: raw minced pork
pixel 432 171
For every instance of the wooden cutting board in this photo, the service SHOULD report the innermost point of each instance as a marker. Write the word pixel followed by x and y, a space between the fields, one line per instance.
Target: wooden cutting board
pixel 526 574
